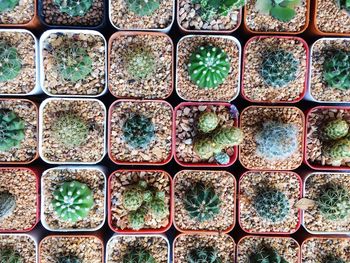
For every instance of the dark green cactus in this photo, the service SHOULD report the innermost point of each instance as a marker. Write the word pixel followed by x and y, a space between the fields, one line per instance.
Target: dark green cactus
pixel 7 204
pixel 7 5
pixel 338 150
pixel 143 7
pixel 140 63
pixel 10 62
pixel 208 121
pixel 8 255
pixel 333 259
pixel 138 255
pixel 344 5
pixel 208 67
pixel 12 130
pixel 282 10
pixel 336 129
pixel 74 7
pixel 336 70
pixel 69 259
pixel 266 254
pixel 203 255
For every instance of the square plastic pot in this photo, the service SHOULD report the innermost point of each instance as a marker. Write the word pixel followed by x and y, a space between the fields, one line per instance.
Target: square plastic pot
pixel 32 24
pixel 31 237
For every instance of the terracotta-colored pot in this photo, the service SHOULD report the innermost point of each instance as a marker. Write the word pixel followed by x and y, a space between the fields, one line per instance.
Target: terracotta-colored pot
pixel 34 23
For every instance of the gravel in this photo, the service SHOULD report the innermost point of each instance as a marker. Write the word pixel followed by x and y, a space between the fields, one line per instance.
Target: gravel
pixel 24 245
pixel 23 13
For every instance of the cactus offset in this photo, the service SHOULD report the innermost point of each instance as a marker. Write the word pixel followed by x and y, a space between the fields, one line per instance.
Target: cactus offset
pixel 140 63
pixel 12 130
pixel 266 254
pixel 203 254
pixel 8 255
pixel 158 209
pixel 336 70
pixel 7 5
pixel 74 7
pixel 142 7
pixel 222 158
pixel 69 259
pixel 338 150
pixel 138 255
pixel 137 218
pixel 282 10
pixel 228 137
pixel 10 62
pixel 208 121
pixel 204 148
pixel 133 196
pixel 336 129
pixel 7 204
pixel 344 5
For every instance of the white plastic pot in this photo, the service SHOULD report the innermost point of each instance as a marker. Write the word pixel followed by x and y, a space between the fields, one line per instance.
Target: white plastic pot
pixel 35 240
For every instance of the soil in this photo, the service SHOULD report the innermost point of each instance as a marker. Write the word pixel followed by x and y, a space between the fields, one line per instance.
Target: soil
pixel 23 244
pixel 23 13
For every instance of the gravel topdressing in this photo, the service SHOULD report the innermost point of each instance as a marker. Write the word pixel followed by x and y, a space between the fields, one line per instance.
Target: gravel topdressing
pixel 22 244
pixel 23 13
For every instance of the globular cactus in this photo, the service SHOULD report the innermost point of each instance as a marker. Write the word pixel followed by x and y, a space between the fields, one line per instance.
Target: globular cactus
pixel 73 62
pixel 72 201
pixel 142 7
pixel 334 202
pixel 282 10
pixel 336 129
pixel 208 121
pixel 222 158
pixel 138 131
pixel 12 130
pixel 228 137
pixel 7 204
pixel 157 207
pixel 138 255
pixel 208 67
pixel 69 259
pixel 137 218
pixel 279 68
pixel 140 63
pixel 74 7
pixel 336 70
pixel 134 196
pixel 10 62
pixel 272 205
pixel 10 256
pixel 344 5
pixel 70 130
pixel 333 259
pixel 204 147
pixel 338 150
pixel 266 254
pixel 203 254
pixel 277 140
pixel 201 202
pixel 7 5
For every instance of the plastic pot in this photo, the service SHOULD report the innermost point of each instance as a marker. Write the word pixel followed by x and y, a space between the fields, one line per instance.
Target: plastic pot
pixel 30 237
pixel 32 24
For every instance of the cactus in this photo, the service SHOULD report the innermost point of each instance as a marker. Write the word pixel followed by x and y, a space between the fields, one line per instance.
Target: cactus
pixel 208 67
pixel 140 63
pixel 208 121
pixel 282 10
pixel 72 62
pixel 134 195
pixel 8 5
pixel 279 68
pixel 334 202
pixel 138 255
pixel 266 254
pixel 204 148
pixel 70 130
pixel 272 205
pixel 276 140
pixel 10 256
pixel 74 7
pixel 338 150
pixel 344 5
pixel 143 7
pixel 69 259
pixel 10 62
pixel 333 259
pixel 228 137
pixel 138 131
pixel 336 70
pixel 72 201
pixel 158 209
pixel 203 254
pixel 137 218
pixel 7 204
pixel 201 202
pixel 222 158
pixel 12 130
pixel 336 129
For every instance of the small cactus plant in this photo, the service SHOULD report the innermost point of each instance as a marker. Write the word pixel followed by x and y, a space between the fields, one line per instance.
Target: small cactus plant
pixel 140 63
pixel 336 129
pixel 143 7
pixel 8 255
pixel 138 131
pixel 204 147
pixel 228 137
pixel 208 67
pixel 72 201
pixel 7 204
pixel 279 68
pixel 222 158
pixel 208 121
pixel 338 150
pixel 266 254
pixel 138 255
pixel 282 10
pixel 68 259
pixel 10 62
pixel 201 202
pixel 137 218
pixel 7 5
pixel 134 196
pixel 333 259
pixel 12 130
pixel 203 254
pixel 74 7
pixel 336 70
pixel 344 5
pixel 157 207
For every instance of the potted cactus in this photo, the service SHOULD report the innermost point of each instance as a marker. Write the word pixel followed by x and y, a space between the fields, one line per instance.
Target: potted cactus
pixel 275 69
pixel 73 63
pixel 204 201
pixel 273 138
pixel 267 202
pixel 204 248
pixel 255 249
pixel 140 201
pixel 85 211
pixel 138 248
pixel 140 132
pixel 206 134
pixel 216 78
pixel 15 13
pixel 19 131
pixel 76 249
pixel 140 65
pixel 72 131
pixel 19 199
pixel 18 56
pixel 209 16
pixel 16 248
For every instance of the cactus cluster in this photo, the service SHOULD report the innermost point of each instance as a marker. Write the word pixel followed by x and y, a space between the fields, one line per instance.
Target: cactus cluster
pixel 72 201
pixel 140 63
pixel 68 259
pixel 73 7
pixel 282 10
pixel 143 7
pixel 138 255
pixel 279 68
pixel 10 62
pixel 208 67
pixel 8 5
pixel 336 70
pixel 277 140
pixel 12 130
pixel 141 200
pixel 201 202
pixel 8 255
pixel 7 204
pixel 333 259
pixel 266 254
pixel 203 254
pixel 344 5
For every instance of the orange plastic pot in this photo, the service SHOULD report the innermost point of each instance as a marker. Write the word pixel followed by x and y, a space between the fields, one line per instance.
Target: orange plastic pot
pixel 34 23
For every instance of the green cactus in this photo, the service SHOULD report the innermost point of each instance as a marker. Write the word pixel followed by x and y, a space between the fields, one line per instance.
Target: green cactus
pixel 140 63
pixel 208 121
pixel 138 255
pixel 72 201
pixel 282 10
pixel 7 204
pixel 222 158
pixel 201 202
pixel 8 5
pixel 279 68
pixel 228 137
pixel 208 67
pixel 344 5
pixel 334 202
pixel 10 62
pixel 12 130
pixel 69 259
pixel 74 7
pixel 137 218
pixel 138 131
pixel 266 254
pixel 158 209
pixel 10 256
pixel 333 259
pixel 203 255
pixel 204 148
pixel 70 130
pixel 338 150
pixel 143 7
pixel 134 196
pixel 336 129
pixel 336 70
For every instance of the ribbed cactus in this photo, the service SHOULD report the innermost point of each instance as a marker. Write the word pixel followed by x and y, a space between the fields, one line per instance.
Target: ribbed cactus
pixel 7 204
pixel 333 259
pixel 266 254
pixel 208 121
pixel 134 195
pixel 338 150
pixel 336 70
pixel 8 255
pixel 138 255
pixel 228 137
pixel 203 255
pixel 10 62
pixel 208 67
pixel 7 5
pixel 140 63
pixel 282 10
pixel 204 147
pixel 137 218
pixel 74 7
pixel 72 201
pixel 201 202
pixel 336 129
pixel 12 130
pixel 142 7
pixel 344 5
pixel 222 158
pixel 157 207
pixel 69 259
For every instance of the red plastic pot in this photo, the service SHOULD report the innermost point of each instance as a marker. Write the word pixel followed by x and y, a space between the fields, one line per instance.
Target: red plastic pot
pixel 184 104
pixel 145 230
